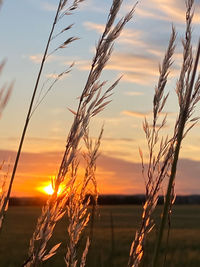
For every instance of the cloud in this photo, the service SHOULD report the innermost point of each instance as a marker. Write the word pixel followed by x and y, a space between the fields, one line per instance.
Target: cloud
pixel 118 139
pixel 131 62
pixel 48 6
pixel 166 10
pixel 94 26
pixel 149 13
pixel 136 68
pixel 143 115
pixel 127 36
pixel 37 58
pixel 54 76
pixel 118 176
pixel 127 178
pixel 83 64
pixel 114 175
pixel 134 93
pixel 175 10
pixel 55 141
pixel 187 177
pixel 139 68
pixel 136 114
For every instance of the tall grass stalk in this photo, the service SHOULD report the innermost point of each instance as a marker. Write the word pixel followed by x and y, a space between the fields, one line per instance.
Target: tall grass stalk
pixel 162 164
pixel 92 101
pixel 5 92
pixel 61 10
pixel 3 189
pixel 77 209
pixel 160 154
pixel 188 93
pixel 175 160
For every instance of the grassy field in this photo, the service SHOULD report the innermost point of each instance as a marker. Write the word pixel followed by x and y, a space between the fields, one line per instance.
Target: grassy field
pixel 114 228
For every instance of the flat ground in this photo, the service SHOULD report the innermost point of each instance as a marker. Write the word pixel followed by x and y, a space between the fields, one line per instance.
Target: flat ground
pixel 114 228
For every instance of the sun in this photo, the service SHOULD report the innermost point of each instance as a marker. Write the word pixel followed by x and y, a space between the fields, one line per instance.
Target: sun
pixel 48 190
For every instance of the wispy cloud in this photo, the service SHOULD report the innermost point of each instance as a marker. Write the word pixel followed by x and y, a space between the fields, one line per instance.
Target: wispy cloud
pixel 128 36
pixel 166 10
pixel 136 68
pixel 36 58
pixel 118 139
pixel 127 177
pixel 94 26
pixel 48 6
pixel 136 114
pixel 150 13
pixel 55 76
pixel 140 66
pixel 134 93
pixel 52 75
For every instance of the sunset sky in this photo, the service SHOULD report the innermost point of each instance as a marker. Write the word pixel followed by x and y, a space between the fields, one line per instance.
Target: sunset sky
pixel 24 29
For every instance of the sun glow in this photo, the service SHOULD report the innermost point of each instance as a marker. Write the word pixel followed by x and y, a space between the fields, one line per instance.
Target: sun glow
pixel 49 190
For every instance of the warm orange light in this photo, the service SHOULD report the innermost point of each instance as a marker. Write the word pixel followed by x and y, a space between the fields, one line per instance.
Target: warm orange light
pixel 49 190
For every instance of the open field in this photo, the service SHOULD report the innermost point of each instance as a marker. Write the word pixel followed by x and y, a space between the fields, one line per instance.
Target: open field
pixel 114 228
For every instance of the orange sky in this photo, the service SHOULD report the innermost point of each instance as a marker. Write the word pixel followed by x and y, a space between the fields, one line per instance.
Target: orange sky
pixel 114 175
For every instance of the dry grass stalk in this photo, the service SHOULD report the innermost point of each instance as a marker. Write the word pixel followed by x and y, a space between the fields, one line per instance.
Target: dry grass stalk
pixel 169 217
pixel 91 102
pixel 5 92
pixel 43 94
pixel 163 164
pixel 3 190
pixel 62 10
pixel 188 91
pixel 77 209
pixel 51 213
pixel 159 162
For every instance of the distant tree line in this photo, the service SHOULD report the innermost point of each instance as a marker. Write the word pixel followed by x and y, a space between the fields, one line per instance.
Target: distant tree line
pixel 108 200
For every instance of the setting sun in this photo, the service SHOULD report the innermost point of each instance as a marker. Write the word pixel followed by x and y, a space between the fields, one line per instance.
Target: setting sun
pixel 48 189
